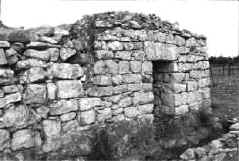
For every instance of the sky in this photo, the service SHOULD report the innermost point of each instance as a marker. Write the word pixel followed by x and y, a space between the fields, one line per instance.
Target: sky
pixel 218 20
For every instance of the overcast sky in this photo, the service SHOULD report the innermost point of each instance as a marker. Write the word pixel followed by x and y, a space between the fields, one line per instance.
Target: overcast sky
pixel 218 20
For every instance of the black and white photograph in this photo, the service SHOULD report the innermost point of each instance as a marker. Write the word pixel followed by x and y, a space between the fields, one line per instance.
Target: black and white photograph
pixel 119 80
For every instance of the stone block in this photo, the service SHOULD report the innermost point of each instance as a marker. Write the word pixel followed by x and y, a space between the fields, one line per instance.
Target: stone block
pixel 66 53
pixel 3 59
pixel 117 79
pixel 4 44
pixel 102 80
pixel 70 126
pixel 134 87
pixel 10 98
pixel 4 139
pixel 180 110
pixel 138 55
pixel 87 117
pixel 135 66
pixel 132 78
pixel 34 74
pixel 204 82
pixel 114 98
pixel 6 73
pixel 147 67
pixel 107 66
pixel 12 89
pixel 51 91
pixel 104 114
pixel 25 139
pixel 29 63
pixel 160 51
pixel 120 89
pixel 100 91
pixel 63 106
pixel 51 54
pixel 35 93
pixel 123 67
pixel 143 98
pixel 192 85
pixel 123 55
pixel 69 89
pixel 51 128
pixel 104 54
pixel 131 112
pixel 43 111
pixel 125 102
pixel 65 71
pixel 88 103
pixel 114 46
pixel 68 116
pixel 146 109
pixel 16 117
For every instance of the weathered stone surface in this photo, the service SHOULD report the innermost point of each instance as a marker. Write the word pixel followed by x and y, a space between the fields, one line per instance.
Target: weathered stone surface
pixel 25 139
pixel 104 114
pixel 142 98
pixel 107 66
pixel 11 98
pixel 87 117
pixel 102 80
pixel 147 108
pixel 52 128
pixel 68 116
pixel 34 74
pixel 35 93
pixel 123 55
pixel 40 45
pixel 88 103
pixel 132 78
pixel 120 89
pixel 15 117
pixel 28 63
pixel 70 126
pixel 100 91
pixel 135 66
pixel 69 89
pixel 4 44
pixel 192 85
pixel 51 91
pixel 63 106
pixel 181 110
pixel 66 53
pixel 4 139
pixel 12 89
pixel 159 51
pixel 104 54
pixel 6 73
pixel 134 87
pixel 117 79
pixel 3 59
pixel 147 67
pixel 131 112
pixel 43 111
pixel 123 67
pixel 125 102
pixel 51 54
pixel 65 71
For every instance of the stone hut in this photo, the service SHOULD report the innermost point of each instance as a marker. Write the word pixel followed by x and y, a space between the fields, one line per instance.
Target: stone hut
pixel 103 68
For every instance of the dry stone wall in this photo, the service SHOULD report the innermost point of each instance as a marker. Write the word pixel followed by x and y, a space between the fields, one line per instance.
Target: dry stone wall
pixel 104 68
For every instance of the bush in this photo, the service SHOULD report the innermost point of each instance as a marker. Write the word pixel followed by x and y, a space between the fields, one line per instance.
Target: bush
pixel 125 139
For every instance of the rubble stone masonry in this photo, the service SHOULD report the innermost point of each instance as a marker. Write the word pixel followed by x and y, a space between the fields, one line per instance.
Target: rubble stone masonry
pixel 104 68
